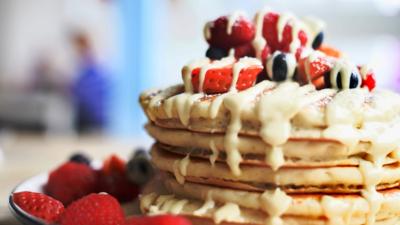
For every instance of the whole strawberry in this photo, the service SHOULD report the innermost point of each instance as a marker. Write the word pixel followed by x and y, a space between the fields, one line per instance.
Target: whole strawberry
pixel 94 209
pixel 71 181
pixel 113 179
pixel 158 220
pixel 39 205
pixel 218 34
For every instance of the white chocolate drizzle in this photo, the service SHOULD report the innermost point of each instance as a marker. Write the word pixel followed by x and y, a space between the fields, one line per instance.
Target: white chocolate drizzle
pixel 274 111
pixel 259 41
pixel 232 18
pixel 336 210
pixel 180 169
pixel 275 203
pixel 208 204
pixel 214 153
pixel 227 212
pixel 187 72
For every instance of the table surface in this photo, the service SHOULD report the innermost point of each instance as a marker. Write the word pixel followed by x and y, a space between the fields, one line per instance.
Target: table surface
pixel 25 155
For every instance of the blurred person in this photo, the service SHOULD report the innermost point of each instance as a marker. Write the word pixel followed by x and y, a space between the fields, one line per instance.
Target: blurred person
pixel 90 89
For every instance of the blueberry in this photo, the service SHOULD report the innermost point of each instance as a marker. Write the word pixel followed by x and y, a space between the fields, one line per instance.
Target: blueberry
pixel 216 53
pixel 281 66
pixel 139 168
pixel 318 40
pixel 327 79
pixel 80 158
pixel 344 80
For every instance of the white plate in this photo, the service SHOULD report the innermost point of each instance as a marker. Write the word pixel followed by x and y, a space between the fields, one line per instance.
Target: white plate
pixel 33 184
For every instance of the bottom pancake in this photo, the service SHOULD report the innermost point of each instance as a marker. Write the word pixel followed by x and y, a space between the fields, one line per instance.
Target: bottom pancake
pixel 210 213
pixel 302 205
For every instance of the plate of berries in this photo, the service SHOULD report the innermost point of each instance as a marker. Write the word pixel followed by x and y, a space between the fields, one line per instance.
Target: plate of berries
pixel 85 192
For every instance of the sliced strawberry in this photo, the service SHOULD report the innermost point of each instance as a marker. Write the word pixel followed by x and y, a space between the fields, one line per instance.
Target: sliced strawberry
pixel 219 80
pixel 270 33
pixel 314 70
pixel 39 205
pixel 243 32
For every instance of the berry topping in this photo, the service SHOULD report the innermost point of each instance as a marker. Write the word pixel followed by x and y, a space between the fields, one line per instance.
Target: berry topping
pixel 216 53
pixel 343 76
pixel 281 66
pixel 80 158
pixel 330 51
pixel 158 220
pixel 94 209
pixel 317 42
pixel 313 69
pixel 71 181
pixel 139 168
pixel 113 179
pixel 219 75
pixel 281 40
pixel 244 50
pixel 218 34
pixel 368 78
pixel 39 205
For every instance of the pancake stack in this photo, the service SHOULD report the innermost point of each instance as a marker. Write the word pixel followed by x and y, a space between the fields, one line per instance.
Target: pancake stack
pixel 274 153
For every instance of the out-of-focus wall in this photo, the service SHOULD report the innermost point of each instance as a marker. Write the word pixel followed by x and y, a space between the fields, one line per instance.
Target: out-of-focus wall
pixel 31 30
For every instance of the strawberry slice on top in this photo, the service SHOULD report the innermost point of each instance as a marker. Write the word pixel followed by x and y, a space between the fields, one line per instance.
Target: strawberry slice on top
pixel 229 31
pixel 217 77
pixel 313 69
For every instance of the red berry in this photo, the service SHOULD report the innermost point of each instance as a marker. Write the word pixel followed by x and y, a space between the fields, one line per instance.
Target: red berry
pixel 219 80
pixel 71 181
pixel 368 79
pixel 113 179
pixel 158 220
pixel 270 33
pixel 245 50
pixel 316 70
pixel 39 205
pixel 94 209
pixel 243 32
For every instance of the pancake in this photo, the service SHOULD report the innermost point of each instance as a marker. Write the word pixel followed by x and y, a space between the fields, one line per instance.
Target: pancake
pixel 299 151
pixel 349 210
pixel 209 113
pixel 317 179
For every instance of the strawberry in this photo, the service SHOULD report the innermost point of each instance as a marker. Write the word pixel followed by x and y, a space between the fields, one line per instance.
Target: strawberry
pixel 243 32
pixel 39 205
pixel 244 50
pixel 317 68
pixel 113 179
pixel 94 209
pixel 270 33
pixel 368 78
pixel 218 80
pixel 71 181
pixel 158 220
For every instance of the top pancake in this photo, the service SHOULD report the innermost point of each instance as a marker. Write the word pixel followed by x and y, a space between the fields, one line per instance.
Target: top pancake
pixel 346 116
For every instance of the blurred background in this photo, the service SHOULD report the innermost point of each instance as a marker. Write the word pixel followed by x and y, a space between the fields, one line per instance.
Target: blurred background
pixel 71 70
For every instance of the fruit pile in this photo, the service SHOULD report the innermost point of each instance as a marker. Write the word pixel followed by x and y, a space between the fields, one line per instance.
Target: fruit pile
pixel 78 194
pixel 287 47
